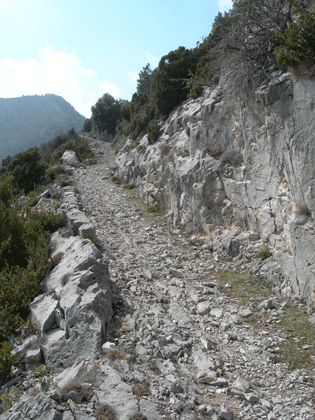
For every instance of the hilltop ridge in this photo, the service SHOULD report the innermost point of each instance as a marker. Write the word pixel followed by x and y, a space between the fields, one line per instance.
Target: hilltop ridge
pixel 31 120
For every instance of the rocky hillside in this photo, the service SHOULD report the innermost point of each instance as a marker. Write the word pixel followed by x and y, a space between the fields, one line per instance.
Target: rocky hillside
pixel 239 171
pixel 31 120
pixel 151 324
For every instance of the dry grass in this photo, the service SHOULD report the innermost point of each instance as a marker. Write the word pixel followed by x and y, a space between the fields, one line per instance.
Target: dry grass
pixel 138 416
pixel 242 286
pixel 214 151
pixel 304 71
pixel 165 150
pixel 298 349
pixel 302 209
pixel 106 412
pixel 57 258
pixel 84 392
pixel 141 149
pixel 115 355
pixel 153 366
pixel 141 389
pixel 232 157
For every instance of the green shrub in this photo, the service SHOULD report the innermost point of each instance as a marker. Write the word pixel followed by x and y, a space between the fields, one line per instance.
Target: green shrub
pixel 63 183
pixel 8 399
pixel 297 43
pixel 195 91
pixel 50 222
pixel 26 168
pixel 153 132
pixel 129 186
pixel 263 252
pixel 52 173
pixel 87 125
pixel 24 257
pixel 6 361
pixel 41 373
pixel 79 146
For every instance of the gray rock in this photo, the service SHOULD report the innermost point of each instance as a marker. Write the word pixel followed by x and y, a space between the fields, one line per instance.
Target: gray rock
pixel 226 413
pixel 43 311
pixel 251 398
pixel 242 384
pixel 39 407
pixel 80 282
pixel 268 304
pixel 87 230
pixel 175 273
pixel 116 393
pixel 70 158
pixel 216 312
pixel 203 308
pixel 245 313
pixel 149 409
pixel 107 347
pixel 207 377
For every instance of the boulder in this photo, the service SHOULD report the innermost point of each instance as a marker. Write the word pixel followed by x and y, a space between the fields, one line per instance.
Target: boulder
pixel 69 158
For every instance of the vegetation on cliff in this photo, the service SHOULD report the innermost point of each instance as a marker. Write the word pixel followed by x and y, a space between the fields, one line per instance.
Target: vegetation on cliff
pixel 25 234
pixel 245 45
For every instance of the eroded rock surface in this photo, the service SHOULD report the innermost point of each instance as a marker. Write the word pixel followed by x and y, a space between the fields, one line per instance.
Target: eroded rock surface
pixel 222 166
pixel 180 347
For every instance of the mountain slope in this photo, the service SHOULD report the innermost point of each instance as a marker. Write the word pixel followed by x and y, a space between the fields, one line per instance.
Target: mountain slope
pixel 31 120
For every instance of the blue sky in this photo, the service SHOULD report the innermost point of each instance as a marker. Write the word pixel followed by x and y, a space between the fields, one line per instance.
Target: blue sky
pixel 81 50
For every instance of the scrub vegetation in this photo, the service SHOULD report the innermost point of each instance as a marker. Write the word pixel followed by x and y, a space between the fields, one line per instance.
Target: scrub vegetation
pixel 25 233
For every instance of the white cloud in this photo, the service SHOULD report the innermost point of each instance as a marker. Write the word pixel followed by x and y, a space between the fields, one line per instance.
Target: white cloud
pixel 225 5
pixel 153 60
pixel 112 89
pixel 55 72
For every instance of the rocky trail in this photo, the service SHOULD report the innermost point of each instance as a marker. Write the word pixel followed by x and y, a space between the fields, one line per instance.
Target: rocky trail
pixel 180 345
pixel 181 333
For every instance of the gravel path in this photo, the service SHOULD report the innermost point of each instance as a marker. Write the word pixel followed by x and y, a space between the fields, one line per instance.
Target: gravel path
pixel 182 336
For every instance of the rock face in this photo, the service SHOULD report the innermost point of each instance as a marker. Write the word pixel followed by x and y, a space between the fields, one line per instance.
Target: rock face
pixel 77 303
pixel 221 168
pixel 73 313
pixel 178 347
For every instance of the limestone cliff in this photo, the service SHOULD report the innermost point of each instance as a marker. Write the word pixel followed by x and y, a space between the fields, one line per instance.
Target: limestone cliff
pixel 260 180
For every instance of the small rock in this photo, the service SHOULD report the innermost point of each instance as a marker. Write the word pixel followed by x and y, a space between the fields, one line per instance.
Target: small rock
pixel 268 304
pixel 203 308
pixel 206 344
pixel 226 413
pixel 216 312
pixel 206 377
pixel 175 273
pixel 251 398
pixel 242 384
pixel 245 313
pixel 220 382
pixel 108 346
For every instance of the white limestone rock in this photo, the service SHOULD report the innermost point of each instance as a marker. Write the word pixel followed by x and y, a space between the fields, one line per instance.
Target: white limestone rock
pixel 69 158
pixel 43 310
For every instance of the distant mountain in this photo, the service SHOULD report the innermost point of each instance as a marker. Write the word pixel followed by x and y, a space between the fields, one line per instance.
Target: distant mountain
pixel 31 120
